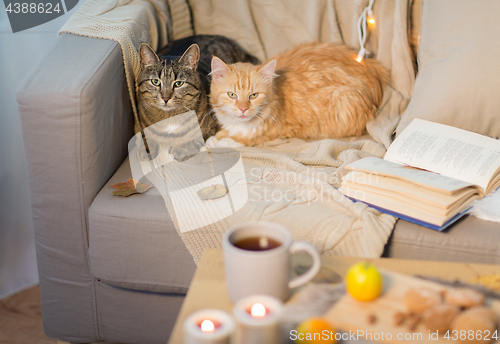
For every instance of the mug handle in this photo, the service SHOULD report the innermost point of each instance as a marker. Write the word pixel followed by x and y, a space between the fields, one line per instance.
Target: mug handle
pixel 302 246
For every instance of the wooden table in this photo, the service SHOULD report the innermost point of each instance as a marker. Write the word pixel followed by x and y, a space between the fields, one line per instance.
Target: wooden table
pixel 208 288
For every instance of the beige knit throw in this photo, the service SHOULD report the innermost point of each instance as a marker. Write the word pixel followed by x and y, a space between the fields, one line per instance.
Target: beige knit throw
pixel 291 182
pixel 302 176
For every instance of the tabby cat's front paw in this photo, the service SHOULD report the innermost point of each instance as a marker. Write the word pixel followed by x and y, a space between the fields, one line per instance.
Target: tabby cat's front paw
pixel 142 154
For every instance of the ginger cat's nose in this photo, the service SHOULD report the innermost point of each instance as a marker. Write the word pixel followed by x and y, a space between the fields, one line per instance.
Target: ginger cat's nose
pixel 243 109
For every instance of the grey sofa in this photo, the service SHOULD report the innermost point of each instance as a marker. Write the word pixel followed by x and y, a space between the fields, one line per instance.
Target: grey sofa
pixel 115 269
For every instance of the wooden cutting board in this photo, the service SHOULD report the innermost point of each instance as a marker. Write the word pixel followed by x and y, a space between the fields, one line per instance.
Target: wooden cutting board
pixel 352 316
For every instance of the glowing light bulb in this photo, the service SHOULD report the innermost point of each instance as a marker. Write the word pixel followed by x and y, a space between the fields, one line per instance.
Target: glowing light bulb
pixel 258 310
pixel 207 326
pixel 371 17
pixel 361 54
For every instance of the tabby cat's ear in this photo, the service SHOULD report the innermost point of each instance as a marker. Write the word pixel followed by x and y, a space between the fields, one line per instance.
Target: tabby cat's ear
pixel 148 56
pixel 190 57
pixel 219 69
pixel 267 72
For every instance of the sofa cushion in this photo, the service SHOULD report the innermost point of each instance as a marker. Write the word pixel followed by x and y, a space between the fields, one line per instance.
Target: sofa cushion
pixel 458 60
pixel 470 240
pixel 133 242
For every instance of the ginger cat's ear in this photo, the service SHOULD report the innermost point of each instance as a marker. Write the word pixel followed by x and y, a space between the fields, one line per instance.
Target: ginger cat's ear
pixel 267 72
pixel 219 69
pixel 191 57
pixel 148 56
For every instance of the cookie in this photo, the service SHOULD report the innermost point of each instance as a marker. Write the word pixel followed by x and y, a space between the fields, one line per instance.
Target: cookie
pixel 419 300
pixel 440 317
pixel 477 320
pixel 464 297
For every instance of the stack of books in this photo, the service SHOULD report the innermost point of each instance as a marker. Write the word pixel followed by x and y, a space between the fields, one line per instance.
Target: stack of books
pixel 430 174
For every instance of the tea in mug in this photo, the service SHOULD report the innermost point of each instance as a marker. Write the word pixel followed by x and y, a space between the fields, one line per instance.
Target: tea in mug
pixel 257 243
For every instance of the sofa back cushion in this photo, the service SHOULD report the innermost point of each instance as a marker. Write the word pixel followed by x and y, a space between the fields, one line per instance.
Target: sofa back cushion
pixel 459 68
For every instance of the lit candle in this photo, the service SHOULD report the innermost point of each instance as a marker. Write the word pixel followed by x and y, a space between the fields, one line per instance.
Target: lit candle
pixel 257 320
pixel 208 326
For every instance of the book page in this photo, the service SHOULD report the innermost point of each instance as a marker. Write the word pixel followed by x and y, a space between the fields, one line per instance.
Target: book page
pixel 403 208
pixel 427 179
pixel 435 201
pixel 447 150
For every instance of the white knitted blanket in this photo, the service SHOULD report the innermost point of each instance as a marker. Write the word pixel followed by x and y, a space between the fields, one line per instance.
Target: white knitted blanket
pixel 304 174
pixel 291 182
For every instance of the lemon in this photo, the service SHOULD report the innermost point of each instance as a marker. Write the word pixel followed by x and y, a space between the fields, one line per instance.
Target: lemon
pixel 315 331
pixel 364 281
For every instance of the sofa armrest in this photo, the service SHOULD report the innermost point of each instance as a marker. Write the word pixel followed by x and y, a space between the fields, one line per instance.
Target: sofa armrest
pixel 76 121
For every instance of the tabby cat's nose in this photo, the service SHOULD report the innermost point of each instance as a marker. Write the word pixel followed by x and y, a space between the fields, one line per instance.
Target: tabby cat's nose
pixel 166 99
pixel 243 109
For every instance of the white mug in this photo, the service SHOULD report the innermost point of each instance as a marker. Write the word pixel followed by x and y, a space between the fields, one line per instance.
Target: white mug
pixel 264 272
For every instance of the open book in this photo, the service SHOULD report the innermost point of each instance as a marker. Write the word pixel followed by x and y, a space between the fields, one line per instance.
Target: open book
pixel 430 174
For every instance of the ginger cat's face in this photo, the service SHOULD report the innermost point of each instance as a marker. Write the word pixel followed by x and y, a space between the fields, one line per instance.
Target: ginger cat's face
pixel 239 91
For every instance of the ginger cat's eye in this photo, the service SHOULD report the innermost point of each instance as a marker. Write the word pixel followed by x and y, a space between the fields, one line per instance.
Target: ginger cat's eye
pixel 155 82
pixel 232 95
pixel 253 96
pixel 179 83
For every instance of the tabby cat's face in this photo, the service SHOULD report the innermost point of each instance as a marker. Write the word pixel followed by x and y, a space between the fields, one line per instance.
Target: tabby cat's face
pixel 239 91
pixel 169 85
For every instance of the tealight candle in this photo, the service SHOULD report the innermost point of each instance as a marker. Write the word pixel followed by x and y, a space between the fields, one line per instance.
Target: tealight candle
pixel 257 320
pixel 208 326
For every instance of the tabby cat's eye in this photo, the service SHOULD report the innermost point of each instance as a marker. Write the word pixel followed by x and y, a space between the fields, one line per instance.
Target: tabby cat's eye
pixel 179 83
pixel 253 96
pixel 232 95
pixel 155 82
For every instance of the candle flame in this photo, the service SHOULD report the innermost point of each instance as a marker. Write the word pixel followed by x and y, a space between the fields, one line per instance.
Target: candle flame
pixel 258 310
pixel 207 326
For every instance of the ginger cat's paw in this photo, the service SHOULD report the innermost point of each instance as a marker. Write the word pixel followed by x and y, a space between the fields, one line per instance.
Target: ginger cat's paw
pixel 221 134
pixel 211 142
pixel 229 142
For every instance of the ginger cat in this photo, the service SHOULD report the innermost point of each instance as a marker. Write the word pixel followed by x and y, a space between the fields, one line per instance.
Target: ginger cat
pixel 314 91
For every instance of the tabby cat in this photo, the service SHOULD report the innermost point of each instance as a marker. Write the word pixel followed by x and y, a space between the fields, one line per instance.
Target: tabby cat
pixel 314 91
pixel 171 86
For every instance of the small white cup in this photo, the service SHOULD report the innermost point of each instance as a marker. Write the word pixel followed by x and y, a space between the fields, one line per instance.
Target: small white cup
pixel 193 334
pixel 257 329
pixel 264 272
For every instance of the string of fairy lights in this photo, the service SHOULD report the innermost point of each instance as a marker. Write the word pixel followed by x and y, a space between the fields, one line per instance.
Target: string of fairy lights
pixel 366 22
